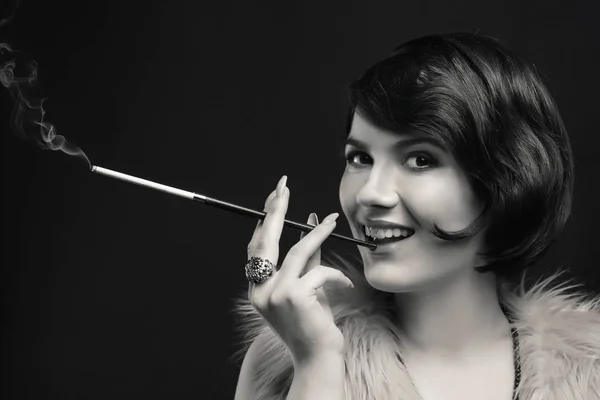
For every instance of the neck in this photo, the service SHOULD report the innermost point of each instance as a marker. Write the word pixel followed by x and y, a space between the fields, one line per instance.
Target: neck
pixel 454 316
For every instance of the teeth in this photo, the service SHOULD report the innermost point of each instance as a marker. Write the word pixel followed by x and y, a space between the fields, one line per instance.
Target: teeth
pixel 377 233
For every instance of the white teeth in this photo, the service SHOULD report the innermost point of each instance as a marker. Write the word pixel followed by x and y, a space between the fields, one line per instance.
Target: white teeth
pixel 377 233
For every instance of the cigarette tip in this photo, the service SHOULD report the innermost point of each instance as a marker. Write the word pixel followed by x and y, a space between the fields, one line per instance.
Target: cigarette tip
pixel 93 169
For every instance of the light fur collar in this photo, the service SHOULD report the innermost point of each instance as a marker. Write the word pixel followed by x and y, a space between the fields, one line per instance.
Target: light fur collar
pixel 559 340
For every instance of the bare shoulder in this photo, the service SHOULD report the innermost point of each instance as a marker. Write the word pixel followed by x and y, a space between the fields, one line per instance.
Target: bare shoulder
pixel 246 389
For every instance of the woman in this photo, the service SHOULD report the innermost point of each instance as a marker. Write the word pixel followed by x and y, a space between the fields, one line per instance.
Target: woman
pixel 460 169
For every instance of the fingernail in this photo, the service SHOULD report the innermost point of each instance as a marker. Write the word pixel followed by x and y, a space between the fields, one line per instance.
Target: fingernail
pixel 268 201
pixel 281 185
pixel 350 284
pixel 331 218
pixel 312 220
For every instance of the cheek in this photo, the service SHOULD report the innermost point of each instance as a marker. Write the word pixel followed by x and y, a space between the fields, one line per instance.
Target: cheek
pixel 349 187
pixel 446 201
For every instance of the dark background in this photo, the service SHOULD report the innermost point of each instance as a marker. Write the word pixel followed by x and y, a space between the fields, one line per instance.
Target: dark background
pixel 110 290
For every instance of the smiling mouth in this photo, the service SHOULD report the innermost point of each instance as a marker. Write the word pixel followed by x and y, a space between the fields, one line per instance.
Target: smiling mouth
pixel 381 237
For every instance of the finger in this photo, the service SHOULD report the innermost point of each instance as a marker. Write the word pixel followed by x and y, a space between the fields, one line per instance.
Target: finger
pixel 269 200
pixel 320 275
pixel 256 232
pixel 314 261
pixel 315 258
pixel 266 244
pixel 259 246
pixel 298 256
pixel 273 221
pixel 312 220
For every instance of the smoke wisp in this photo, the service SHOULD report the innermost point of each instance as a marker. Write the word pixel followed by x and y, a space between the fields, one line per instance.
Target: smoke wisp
pixel 27 119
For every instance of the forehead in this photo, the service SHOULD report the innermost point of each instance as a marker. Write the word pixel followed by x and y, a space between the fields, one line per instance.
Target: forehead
pixel 364 133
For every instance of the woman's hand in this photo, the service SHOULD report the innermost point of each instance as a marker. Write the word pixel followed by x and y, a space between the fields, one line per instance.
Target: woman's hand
pixel 292 299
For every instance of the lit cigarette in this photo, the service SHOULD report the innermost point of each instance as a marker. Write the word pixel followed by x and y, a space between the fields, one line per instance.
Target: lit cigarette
pixel 216 203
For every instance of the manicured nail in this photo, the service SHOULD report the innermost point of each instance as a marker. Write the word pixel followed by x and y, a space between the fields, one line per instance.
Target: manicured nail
pixel 268 201
pixel 312 220
pixel 281 185
pixel 331 218
pixel 350 284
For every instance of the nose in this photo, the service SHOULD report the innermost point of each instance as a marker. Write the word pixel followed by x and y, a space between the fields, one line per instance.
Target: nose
pixel 379 190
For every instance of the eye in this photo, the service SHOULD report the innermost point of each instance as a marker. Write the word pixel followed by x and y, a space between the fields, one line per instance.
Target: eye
pixel 357 159
pixel 420 161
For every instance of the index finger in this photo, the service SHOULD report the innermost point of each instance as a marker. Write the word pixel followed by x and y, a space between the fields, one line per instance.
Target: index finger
pixel 265 245
pixel 259 224
pixel 299 254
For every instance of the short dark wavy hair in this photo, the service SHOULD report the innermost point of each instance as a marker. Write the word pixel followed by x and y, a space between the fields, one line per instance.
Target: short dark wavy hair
pixel 491 109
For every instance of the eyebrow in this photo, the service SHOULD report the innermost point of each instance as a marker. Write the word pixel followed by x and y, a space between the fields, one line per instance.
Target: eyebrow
pixel 406 142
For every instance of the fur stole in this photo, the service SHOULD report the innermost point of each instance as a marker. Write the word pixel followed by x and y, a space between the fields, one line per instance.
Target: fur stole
pixel 558 329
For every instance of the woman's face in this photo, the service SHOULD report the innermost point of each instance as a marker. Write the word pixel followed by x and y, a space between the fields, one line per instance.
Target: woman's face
pixel 393 180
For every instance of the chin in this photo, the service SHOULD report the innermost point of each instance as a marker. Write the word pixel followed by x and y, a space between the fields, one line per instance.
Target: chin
pixel 402 277
pixel 394 277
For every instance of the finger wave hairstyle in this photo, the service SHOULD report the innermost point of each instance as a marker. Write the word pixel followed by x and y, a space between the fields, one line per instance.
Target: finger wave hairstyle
pixel 492 111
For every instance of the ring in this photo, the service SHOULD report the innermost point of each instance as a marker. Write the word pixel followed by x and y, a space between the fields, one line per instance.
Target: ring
pixel 259 269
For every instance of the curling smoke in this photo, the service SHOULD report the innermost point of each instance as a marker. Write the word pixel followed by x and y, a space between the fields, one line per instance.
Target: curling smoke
pixel 28 114
pixel 7 20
